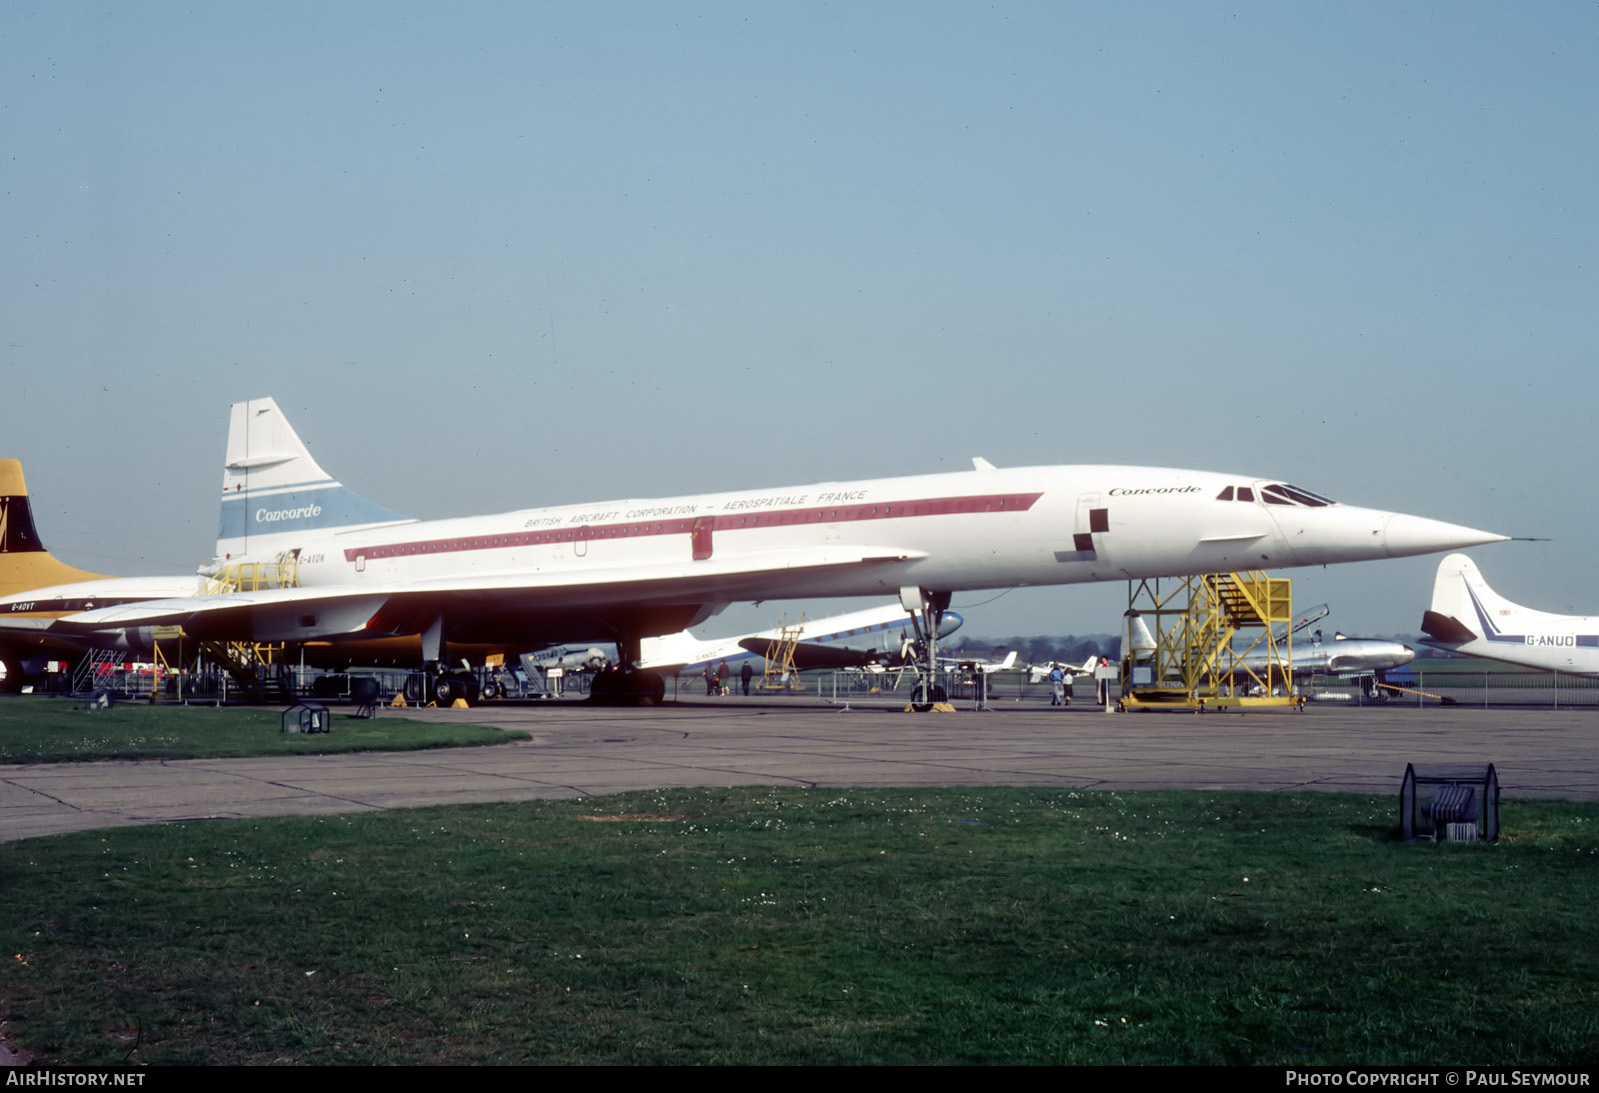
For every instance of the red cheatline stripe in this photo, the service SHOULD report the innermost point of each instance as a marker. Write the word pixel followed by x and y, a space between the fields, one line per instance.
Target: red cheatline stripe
pixel 725 521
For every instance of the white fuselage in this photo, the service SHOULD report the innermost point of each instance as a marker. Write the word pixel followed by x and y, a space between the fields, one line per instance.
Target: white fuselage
pixel 27 643
pixel 1339 656
pixel 974 529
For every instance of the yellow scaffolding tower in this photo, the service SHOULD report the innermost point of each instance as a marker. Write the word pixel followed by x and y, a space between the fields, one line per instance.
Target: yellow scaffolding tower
pixel 779 655
pixel 254 576
pixel 240 657
pixel 1210 641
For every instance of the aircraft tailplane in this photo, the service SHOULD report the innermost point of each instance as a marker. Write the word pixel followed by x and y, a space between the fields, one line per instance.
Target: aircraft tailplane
pixel 1464 608
pixel 272 489
pixel 24 562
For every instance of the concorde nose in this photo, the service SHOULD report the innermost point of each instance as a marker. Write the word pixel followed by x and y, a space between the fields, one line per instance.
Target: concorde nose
pixel 1406 535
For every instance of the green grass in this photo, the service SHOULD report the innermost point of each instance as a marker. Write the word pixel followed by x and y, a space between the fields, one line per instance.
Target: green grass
pixel 822 926
pixel 48 730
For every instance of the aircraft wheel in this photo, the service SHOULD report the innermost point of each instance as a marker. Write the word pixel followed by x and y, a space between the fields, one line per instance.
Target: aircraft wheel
pixel 924 698
pixel 602 688
pixel 446 689
pixel 651 687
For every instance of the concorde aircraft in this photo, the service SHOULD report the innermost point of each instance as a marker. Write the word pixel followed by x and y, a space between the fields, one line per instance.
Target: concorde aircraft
pixel 1469 617
pixel 620 571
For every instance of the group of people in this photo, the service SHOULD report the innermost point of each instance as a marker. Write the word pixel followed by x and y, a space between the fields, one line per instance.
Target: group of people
pixel 714 677
pixel 1060 688
pixel 1058 694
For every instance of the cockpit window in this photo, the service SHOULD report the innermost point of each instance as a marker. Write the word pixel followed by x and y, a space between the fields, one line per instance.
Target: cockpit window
pixel 1279 494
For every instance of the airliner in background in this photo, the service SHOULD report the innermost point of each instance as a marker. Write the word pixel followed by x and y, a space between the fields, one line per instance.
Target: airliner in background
pixel 816 643
pixel 1366 659
pixel 36 589
pixel 1468 617
pixel 625 570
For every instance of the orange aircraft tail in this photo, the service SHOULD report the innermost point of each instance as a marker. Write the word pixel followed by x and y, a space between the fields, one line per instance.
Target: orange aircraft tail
pixel 24 563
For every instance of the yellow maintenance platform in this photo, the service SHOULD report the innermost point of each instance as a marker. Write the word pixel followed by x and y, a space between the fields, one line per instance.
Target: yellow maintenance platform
pixel 1219 640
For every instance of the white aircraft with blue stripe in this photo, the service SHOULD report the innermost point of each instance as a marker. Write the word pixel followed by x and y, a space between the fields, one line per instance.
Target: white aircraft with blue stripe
pixel 621 571
pixel 1470 618
pixel 816 643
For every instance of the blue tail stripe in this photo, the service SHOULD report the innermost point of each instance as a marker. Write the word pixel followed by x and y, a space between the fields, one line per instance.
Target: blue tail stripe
pixel 322 506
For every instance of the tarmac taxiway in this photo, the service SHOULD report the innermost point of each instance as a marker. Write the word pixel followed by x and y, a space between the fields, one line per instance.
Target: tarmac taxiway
pixel 580 750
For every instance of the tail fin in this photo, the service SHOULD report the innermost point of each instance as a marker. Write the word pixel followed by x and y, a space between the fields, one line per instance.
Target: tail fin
pixel 273 491
pixel 24 563
pixel 1140 643
pixel 1463 607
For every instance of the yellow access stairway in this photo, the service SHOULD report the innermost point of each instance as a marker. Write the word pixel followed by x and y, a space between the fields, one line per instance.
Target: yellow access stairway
pixel 1214 640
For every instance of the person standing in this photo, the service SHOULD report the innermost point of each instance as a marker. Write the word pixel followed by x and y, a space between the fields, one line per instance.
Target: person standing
pixel 744 675
pixel 1057 686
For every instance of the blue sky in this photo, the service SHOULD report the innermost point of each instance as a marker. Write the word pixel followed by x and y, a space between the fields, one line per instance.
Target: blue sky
pixel 488 256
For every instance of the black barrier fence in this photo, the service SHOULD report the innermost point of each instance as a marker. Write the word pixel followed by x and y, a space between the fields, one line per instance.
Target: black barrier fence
pixel 1458 685
pixel 1547 690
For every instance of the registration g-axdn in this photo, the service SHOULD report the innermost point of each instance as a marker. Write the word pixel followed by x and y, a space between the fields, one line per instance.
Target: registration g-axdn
pixel 620 571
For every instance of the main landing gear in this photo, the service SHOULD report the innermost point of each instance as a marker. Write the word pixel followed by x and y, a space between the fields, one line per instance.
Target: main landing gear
pixel 616 686
pixel 623 685
pixel 445 686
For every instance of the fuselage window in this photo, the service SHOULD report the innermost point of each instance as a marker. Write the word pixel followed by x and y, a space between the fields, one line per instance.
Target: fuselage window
pixel 1245 493
pixel 1226 494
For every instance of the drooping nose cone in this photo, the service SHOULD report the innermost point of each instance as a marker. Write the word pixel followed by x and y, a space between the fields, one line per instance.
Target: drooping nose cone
pixel 1406 535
